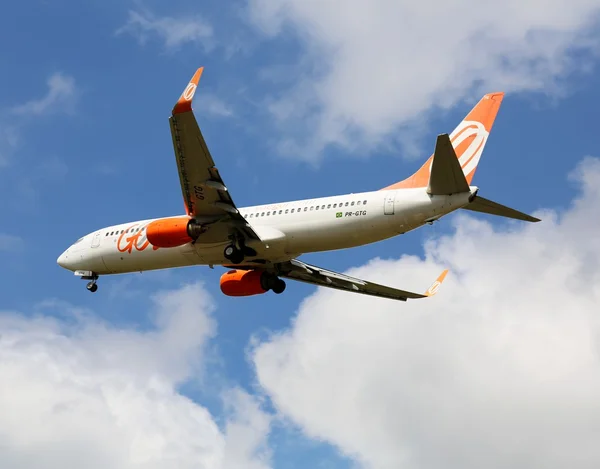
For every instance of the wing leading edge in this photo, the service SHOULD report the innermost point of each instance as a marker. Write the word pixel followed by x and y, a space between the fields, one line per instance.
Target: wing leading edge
pixel 302 272
pixel 205 194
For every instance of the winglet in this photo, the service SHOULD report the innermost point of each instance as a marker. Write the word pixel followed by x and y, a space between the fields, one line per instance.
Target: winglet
pixel 435 286
pixel 185 101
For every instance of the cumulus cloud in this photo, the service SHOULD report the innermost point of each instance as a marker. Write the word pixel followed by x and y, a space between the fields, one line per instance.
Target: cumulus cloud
pixel 173 31
pixel 61 97
pixel 501 369
pixel 78 392
pixel 372 68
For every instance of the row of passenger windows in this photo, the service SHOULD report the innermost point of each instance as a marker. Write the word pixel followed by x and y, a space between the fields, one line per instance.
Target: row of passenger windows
pixel 262 214
pixel 133 230
pixel 306 209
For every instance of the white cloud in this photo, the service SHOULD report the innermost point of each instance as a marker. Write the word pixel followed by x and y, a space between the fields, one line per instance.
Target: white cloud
pixel 173 31
pixel 501 369
pixel 371 68
pixel 10 242
pixel 78 392
pixel 61 97
pixel 214 106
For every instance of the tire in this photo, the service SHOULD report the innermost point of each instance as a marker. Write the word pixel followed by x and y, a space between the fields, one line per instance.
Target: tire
pixel 234 255
pixel 279 287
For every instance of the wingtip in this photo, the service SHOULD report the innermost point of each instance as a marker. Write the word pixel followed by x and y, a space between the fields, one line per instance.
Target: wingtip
pixel 435 286
pixel 184 104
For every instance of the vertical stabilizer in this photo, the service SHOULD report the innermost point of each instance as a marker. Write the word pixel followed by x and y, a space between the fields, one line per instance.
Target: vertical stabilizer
pixel 468 140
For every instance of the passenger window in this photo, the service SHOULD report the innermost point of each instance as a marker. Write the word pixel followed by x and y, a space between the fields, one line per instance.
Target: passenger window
pixel 317 207
pixel 352 204
pixel 346 204
pixel 334 205
pixel 305 209
pixel 262 214
pixel 358 203
pixel 286 211
pixel 268 213
pixel 364 202
pixel 293 210
pixel 329 206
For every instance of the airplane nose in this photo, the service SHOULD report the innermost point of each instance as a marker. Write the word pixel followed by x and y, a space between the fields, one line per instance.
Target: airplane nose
pixel 63 260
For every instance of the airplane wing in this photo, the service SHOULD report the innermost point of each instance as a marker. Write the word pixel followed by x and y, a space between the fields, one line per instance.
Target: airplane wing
pixel 205 194
pixel 298 270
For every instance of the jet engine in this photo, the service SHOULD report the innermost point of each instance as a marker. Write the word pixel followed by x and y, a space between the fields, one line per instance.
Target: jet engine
pixel 172 232
pixel 250 282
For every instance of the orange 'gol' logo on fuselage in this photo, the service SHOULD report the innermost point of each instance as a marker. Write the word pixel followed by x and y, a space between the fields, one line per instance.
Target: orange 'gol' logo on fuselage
pixel 137 240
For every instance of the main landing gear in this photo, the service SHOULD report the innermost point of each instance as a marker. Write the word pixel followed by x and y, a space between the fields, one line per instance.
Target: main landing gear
pixel 272 282
pixel 278 287
pixel 237 251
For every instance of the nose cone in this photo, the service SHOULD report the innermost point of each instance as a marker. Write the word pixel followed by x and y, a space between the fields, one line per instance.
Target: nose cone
pixel 63 260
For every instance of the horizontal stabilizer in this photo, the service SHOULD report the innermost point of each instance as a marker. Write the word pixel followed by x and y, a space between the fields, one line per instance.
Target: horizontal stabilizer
pixel 482 205
pixel 447 176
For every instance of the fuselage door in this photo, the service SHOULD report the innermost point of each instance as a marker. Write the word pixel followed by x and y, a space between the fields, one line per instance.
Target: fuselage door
pixel 388 203
pixel 96 240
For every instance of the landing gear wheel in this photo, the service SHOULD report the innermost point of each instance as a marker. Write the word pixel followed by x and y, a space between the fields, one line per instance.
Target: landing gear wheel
pixel 92 286
pixel 233 254
pixel 278 287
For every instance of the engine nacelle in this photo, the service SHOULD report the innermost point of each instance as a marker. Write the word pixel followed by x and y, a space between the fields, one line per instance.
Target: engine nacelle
pixel 244 282
pixel 169 232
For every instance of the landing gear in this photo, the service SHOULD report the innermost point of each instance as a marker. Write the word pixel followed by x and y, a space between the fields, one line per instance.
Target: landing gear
pixel 279 287
pixel 93 278
pixel 237 251
pixel 235 255
pixel 272 282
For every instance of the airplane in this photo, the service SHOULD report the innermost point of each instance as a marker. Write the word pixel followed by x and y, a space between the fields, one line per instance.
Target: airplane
pixel 260 245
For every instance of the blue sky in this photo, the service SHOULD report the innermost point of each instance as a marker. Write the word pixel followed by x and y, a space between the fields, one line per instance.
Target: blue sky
pixel 86 93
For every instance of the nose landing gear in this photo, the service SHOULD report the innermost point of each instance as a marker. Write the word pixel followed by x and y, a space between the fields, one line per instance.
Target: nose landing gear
pixel 92 277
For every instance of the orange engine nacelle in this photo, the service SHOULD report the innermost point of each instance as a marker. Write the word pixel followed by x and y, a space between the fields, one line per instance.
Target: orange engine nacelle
pixel 243 282
pixel 169 232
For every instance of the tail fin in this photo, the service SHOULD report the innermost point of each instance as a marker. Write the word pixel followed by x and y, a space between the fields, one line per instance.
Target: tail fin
pixel 468 141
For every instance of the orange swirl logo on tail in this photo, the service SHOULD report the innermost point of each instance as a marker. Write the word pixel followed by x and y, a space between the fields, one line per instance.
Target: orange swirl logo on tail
pixel 136 239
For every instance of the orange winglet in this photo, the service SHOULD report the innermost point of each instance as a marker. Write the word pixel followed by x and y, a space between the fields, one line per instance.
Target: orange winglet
pixel 435 286
pixel 185 101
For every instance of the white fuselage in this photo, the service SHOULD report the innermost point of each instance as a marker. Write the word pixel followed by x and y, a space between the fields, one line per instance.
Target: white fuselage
pixel 286 229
